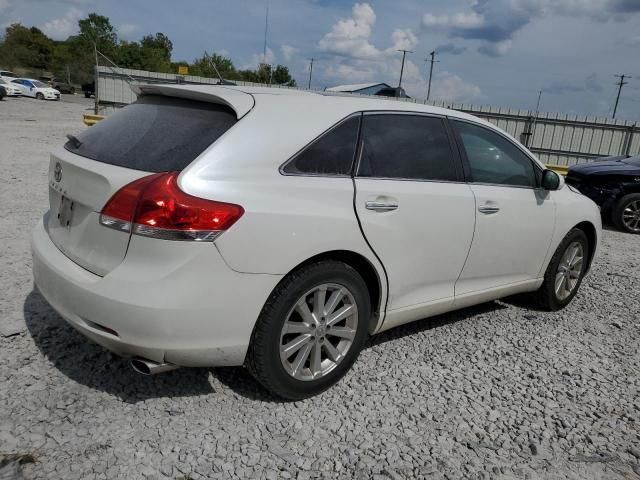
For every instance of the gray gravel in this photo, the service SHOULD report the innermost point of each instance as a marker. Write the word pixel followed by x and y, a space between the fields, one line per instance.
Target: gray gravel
pixel 495 391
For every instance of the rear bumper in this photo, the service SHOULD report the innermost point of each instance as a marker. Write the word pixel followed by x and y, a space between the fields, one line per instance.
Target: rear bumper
pixel 189 309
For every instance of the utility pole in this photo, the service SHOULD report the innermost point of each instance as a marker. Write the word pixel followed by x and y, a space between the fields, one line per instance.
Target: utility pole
pixel 529 141
pixel 620 84
pixel 310 72
pixel 96 103
pixel 433 60
pixel 266 30
pixel 404 53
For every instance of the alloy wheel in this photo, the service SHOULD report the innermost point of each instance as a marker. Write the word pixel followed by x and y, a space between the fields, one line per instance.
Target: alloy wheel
pixel 569 270
pixel 631 216
pixel 318 331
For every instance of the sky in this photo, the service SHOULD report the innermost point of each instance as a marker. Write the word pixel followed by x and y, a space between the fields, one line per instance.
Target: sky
pixel 490 52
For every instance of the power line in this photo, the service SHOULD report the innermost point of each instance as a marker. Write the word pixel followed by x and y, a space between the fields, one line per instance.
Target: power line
pixel 433 60
pixel 404 53
pixel 620 84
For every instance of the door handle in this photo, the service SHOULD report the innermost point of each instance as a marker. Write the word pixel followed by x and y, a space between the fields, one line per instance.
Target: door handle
pixel 488 209
pixel 380 206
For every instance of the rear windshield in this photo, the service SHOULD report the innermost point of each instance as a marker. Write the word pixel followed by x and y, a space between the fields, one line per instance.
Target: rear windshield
pixel 154 134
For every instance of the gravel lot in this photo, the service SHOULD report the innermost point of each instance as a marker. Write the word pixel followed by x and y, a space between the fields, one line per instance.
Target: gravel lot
pixel 495 391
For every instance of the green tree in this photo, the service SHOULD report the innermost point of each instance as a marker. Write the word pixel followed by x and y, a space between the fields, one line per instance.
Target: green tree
pixel 97 29
pixel 25 47
pixel 161 43
pixel 204 66
pixel 265 73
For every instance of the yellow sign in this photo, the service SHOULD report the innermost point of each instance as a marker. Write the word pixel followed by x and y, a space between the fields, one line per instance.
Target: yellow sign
pixel 183 70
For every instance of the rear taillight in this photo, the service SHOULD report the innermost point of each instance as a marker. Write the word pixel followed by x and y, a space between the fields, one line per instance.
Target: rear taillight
pixel 154 206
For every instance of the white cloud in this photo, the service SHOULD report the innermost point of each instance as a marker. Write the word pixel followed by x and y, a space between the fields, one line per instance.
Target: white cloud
pixel 457 20
pixel 288 52
pixel 350 36
pixel 61 28
pixel 403 39
pixel 449 87
pixel 362 61
pixel 258 58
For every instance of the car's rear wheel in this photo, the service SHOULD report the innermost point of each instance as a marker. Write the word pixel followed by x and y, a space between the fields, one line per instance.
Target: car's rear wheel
pixel 39 96
pixel 311 330
pixel 565 272
pixel 626 214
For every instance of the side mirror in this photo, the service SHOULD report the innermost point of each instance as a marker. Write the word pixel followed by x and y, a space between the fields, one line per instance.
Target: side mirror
pixel 550 180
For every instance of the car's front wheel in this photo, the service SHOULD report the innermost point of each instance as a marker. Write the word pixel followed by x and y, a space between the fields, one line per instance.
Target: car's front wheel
pixel 39 96
pixel 626 214
pixel 565 272
pixel 311 330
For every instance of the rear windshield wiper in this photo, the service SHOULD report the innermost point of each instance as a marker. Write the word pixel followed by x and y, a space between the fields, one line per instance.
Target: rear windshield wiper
pixel 74 140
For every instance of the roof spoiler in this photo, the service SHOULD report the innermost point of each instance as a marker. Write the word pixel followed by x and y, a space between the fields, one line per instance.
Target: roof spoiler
pixel 240 102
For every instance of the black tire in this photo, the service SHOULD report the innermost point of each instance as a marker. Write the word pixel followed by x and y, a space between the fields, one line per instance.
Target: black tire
pixel 87 95
pixel 72 90
pixel 618 211
pixel 39 96
pixel 546 298
pixel 263 358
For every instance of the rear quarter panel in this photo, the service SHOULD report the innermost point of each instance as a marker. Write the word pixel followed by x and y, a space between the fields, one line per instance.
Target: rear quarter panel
pixel 287 219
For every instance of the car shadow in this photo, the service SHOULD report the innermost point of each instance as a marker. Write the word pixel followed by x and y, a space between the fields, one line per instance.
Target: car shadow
pixel 91 365
pixel 432 323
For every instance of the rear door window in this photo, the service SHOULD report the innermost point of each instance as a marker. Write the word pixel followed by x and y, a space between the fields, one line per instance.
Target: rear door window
pixel 331 154
pixel 410 147
pixel 154 134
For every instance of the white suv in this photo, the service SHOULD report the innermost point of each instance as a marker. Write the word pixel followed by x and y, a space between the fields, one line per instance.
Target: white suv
pixel 278 229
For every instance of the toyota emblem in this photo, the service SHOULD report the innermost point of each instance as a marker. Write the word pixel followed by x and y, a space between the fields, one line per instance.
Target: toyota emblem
pixel 57 172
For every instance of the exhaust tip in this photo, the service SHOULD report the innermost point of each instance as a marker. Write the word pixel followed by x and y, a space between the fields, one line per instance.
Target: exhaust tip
pixel 140 366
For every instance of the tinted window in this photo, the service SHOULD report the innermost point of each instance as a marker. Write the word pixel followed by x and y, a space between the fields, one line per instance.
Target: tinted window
pixel 406 146
pixel 494 159
pixel 331 154
pixel 154 134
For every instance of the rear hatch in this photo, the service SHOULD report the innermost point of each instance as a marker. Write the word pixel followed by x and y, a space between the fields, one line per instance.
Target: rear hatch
pixel 156 134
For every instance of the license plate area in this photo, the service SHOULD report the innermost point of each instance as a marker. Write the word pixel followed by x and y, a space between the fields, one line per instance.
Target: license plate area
pixel 65 212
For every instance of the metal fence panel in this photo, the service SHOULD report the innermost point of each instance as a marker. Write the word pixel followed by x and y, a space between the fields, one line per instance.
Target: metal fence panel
pixel 555 138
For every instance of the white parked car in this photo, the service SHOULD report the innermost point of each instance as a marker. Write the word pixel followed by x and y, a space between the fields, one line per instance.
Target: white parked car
pixel 7 75
pixel 36 89
pixel 11 89
pixel 278 229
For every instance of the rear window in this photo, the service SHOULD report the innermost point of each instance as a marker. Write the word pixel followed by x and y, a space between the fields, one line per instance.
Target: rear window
pixel 154 134
pixel 331 154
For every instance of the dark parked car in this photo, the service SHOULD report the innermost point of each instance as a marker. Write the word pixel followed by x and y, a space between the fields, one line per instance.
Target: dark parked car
pixel 3 92
pixel 614 184
pixel 89 89
pixel 63 87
